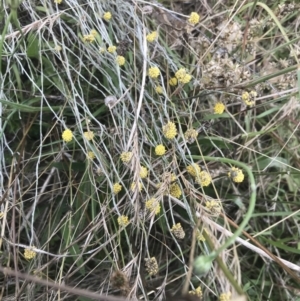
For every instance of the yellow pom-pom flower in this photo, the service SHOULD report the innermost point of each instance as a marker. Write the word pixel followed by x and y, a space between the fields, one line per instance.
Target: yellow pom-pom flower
pixel 151 36
pixel 175 190
pixel 153 72
pixel 169 130
pixel 88 135
pixel 236 175
pixel 126 157
pixel 194 170
pixel 123 221
pixel 190 135
pixel 120 60
pixel 159 90
pixel 117 188
pixel 178 231
pixel 89 38
pixel 107 16
pixel 67 135
pixel 182 76
pixel 91 155
pixel 204 178
pixel 213 206
pixel 173 81
pixel 219 108
pixel 143 172
pixel 225 297
pixel 58 1
pixel 112 49
pixel 194 18
pixel 197 292
pixel 153 206
pixel 160 150
pixel 29 253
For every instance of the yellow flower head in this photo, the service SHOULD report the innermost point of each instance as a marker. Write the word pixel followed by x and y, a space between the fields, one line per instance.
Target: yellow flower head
pixel 194 170
pixel 160 150
pixel 133 185
pixel 153 72
pixel 123 221
pixel 197 292
pixel 88 135
pixel 204 178
pixel 58 1
pixel 219 108
pixel 112 49
pixel 29 253
pixel 151 266
pixel 236 175
pixel 67 135
pixel 120 60
pixel 143 172
pixel 91 155
pixel 190 135
pixel 153 206
pixel 94 32
pixel 178 231
pixel 159 90
pixel 200 236
pixel 126 157
pixel 89 38
pixel 175 190
pixel 225 297
pixel 117 188
pixel 194 18
pixel 151 36
pixel 182 76
pixel 169 130
pixel 213 206
pixel 173 81
pixel 107 16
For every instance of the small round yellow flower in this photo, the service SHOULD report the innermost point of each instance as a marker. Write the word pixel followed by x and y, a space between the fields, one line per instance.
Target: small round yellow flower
pixel 112 49
pixel 91 155
pixel 225 297
pixel 197 292
pixel 204 178
pixel 194 18
pixel 182 76
pixel 151 36
pixel 159 90
pixel 169 130
pixel 89 38
pixel 94 32
pixel 160 150
pixel 117 188
pixel 120 60
pixel 213 206
pixel 58 1
pixel 153 206
pixel 143 172
pixel 219 108
pixel 126 157
pixel 173 81
pixel 190 135
pixel 175 190
pixel 200 236
pixel 178 231
pixel 236 175
pixel 29 253
pixel 151 266
pixel 67 135
pixel 194 170
pixel 107 16
pixel 89 135
pixel 123 221
pixel 153 72
pixel 133 185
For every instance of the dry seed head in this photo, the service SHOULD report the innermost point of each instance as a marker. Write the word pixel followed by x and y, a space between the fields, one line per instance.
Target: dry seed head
pixel 178 231
pixel 214 207
pixel 151 266
pixel 120 281
pixel 190 135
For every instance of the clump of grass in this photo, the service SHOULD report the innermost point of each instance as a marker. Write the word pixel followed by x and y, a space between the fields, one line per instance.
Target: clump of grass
pixel 125 131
